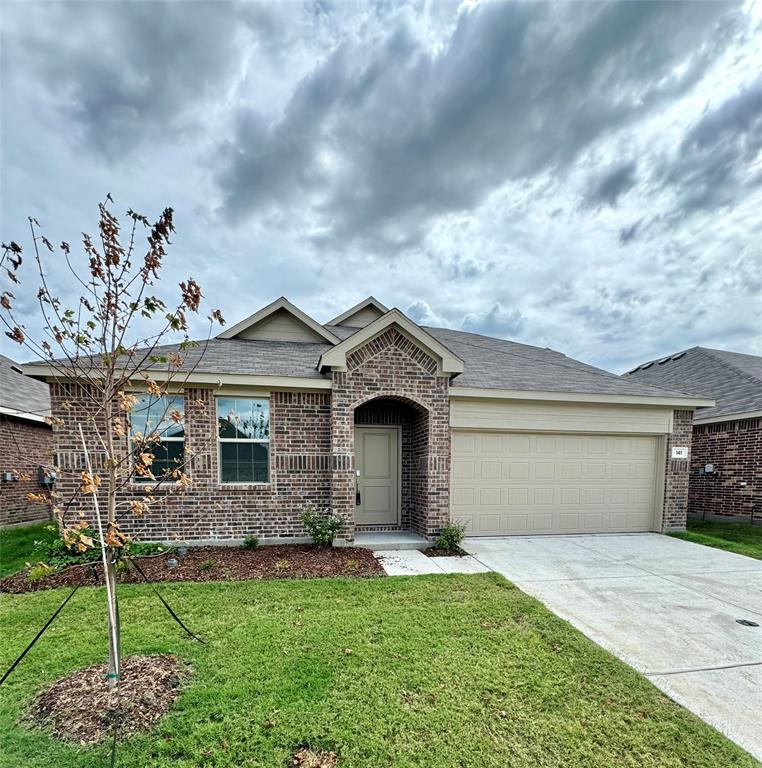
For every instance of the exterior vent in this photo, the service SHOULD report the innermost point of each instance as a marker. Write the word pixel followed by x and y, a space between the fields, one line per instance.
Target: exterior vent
pixel 647 365
pixel 677 357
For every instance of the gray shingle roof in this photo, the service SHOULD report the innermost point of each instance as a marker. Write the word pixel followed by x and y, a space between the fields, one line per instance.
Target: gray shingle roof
pixel 489 363
pixel 500 364
pixel 253 357
pixel 22 393
pixel 733 379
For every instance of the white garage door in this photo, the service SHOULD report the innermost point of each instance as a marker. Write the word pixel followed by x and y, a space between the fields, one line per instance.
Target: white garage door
pixel 517 483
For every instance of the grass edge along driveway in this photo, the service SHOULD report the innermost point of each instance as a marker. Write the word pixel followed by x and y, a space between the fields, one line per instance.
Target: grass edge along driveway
pixel 463 671
pixel 741 538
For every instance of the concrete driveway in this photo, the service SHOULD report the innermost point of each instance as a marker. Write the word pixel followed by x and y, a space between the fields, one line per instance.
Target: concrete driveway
pixel 667 607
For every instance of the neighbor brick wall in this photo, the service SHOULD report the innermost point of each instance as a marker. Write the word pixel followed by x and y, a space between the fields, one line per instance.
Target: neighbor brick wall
pixel 677 473
pixel 390 366
pixel 24 446
pixel 300 460
pixel 735 488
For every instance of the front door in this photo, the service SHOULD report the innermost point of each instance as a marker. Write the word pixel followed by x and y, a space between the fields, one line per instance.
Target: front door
pixel 377 465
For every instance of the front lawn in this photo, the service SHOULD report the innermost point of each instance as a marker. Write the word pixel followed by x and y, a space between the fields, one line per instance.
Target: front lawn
pixel 446 671
pixel 740 538
pixel 17 545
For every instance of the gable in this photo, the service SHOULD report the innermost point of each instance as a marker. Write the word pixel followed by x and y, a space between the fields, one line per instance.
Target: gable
pixel 447 363
pixel 361 314
pixel 280 326
pixel 280 321
pixel 362 318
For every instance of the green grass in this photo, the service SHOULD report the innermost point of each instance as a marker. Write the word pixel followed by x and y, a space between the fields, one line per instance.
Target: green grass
pixel 17 545
pixel 733 537
pixel 446 671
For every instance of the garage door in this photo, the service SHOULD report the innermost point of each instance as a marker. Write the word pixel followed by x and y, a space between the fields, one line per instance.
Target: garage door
pixel 517 483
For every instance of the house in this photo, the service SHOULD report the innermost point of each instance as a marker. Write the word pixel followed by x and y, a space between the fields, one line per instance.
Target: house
pixel 26 444
pixel 726 462
pixel 396 426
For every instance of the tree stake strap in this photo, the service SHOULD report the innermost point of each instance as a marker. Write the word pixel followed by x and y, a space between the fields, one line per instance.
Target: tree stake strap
pixel 165 603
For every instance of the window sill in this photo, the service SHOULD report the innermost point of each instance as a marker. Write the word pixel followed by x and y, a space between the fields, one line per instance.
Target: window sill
pixel 244 486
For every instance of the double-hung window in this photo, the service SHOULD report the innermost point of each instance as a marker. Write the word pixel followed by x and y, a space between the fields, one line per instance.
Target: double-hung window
pixel 157 426
pixel 244 432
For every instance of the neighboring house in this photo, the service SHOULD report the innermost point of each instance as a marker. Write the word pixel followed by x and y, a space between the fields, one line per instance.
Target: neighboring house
pixel 26 444
pixel 727 437
pixel 395 426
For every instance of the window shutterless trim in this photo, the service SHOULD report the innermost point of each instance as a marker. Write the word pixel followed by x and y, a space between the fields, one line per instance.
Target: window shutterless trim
pixel 245 440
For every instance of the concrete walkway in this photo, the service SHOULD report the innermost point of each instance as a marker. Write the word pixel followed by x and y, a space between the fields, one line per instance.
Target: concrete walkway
pixel 667 607
pixel 410 562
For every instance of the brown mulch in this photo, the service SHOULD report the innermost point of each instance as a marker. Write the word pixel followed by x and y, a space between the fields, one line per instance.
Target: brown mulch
pixel 434 552
pixel 281 561
pixel 82 709
pixel 310 758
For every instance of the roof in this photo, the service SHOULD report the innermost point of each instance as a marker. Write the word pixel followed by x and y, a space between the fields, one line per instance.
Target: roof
pixel 21 395
pixel 733 379
pixel 478 365
pixel 500 364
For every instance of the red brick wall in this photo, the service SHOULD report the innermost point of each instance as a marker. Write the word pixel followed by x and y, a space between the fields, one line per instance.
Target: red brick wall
pixel 24 446
pixel 677 474
pixel 390 366
pixel 300 455
pixel 735 488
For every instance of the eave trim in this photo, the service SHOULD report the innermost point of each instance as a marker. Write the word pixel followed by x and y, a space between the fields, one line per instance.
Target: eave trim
pixel 579 397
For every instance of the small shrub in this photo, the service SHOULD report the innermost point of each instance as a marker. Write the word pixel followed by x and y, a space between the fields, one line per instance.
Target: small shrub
pixel 321 526
pixel 58 554
pixel 450 537
pixel 38 571
pixel 206 565
pixel 250 542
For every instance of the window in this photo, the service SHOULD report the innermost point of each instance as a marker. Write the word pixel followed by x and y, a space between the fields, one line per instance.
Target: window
pixel 244 430
pixel 162 417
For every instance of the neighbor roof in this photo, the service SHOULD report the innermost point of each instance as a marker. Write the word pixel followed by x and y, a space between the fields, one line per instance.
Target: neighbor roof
pixel 21 395
pixel 733 379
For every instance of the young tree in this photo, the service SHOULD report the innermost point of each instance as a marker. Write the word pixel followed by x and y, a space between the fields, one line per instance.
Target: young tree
pixel 100 345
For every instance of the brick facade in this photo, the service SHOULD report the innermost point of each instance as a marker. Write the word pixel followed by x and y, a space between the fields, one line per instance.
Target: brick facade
pixel 24 446
pixel 392 368
pixel 735 488
pixel 677 474
pixel 300 455
pixel 389 381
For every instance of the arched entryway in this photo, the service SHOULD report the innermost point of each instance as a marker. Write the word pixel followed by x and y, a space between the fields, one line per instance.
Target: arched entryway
pixel 391 442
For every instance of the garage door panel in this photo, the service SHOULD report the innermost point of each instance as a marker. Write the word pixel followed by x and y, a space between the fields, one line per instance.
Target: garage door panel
pixel 507 483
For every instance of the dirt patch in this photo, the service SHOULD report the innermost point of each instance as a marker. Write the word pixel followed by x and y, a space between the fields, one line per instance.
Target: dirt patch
pixel 82 709
pixel 310 758
pixel 434 552
pixel 282 561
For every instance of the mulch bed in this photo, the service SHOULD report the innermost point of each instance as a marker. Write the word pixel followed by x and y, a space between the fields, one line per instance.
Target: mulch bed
pixel 434 552
pixel 281 561
pixel 82 709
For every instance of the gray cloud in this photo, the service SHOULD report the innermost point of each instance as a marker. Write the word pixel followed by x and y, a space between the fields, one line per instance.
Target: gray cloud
pixel 384 135
pixel 496 321
pixel 710 168
pixel 431 155
pixel 607 187
pixel 629 233
pixel 128 72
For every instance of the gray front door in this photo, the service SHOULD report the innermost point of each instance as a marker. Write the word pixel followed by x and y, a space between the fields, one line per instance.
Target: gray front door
pixel 377 464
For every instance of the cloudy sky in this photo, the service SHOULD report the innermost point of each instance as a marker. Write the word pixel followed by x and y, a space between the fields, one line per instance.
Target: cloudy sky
pixel 584 176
